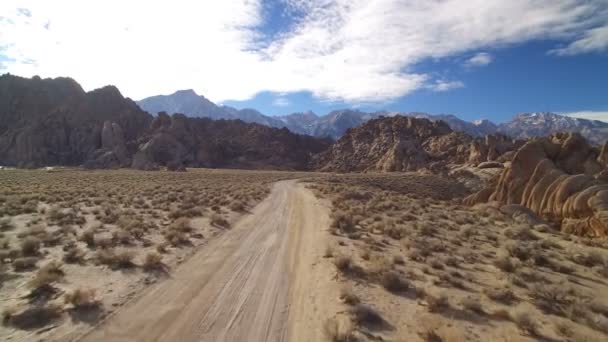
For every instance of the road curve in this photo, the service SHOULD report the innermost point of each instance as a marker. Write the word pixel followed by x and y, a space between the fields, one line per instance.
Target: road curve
pixel 237 288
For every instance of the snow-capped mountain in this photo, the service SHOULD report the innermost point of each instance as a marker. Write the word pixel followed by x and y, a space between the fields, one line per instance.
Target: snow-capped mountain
pixel 528 125
pixel 336 123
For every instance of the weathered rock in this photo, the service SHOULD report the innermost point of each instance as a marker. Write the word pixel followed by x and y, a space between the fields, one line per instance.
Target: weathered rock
pixel 558 178
pixel 54 122
pixel 406 144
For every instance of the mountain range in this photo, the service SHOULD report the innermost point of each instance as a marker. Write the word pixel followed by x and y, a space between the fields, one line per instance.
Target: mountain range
pixel 336 123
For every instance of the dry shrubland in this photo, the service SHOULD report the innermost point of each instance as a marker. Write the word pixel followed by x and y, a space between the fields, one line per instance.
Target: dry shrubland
pixel 408 251
pixel 92 237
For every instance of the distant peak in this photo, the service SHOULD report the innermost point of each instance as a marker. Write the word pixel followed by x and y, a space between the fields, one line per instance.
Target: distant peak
pixel 186 92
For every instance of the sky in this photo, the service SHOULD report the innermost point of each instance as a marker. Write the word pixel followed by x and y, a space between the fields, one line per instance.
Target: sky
pixel 473 58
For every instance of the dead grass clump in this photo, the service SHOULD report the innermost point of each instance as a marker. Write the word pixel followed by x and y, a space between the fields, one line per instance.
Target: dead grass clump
pixel 526 323
pixel 437 303
pixel 427 230
pixel 398 260
pixel 436 264
pixel 218 221
pixel 47 275
pixel 522 233
pixel 24 264
pixel 153 261
pixel 348 296
pixel 122 237
pixel 6 224
pixel 343 263
pixel 395 232
pixel 74 255
pixel 329 251
pixel 473 305
pixel 162 247
pixel 115 260
pixel 336 332
pixel 589 259
pixel 182 224
pixel 505 263
pixel 501 295
pixel 552 299
pixel 519 250
pixel 343 221
pixel 82 298
pixel 176 237
pixel 394 282
pixel 30 246
pixel 34 317
pixel 564 329
pixel 104 242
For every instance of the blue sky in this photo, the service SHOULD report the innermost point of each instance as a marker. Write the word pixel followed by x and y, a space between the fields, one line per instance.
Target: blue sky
pixel 472 58
pixel 521 78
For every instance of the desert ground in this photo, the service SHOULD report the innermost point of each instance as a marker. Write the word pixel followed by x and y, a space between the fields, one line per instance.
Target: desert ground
pixel 228 255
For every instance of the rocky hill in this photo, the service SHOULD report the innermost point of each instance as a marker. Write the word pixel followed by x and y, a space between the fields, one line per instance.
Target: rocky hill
pixel 55 122
pixel 402 143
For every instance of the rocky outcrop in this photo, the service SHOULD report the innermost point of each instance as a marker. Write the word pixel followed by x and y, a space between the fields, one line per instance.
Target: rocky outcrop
pixel 176 141
pixel 559 178
pixel 407 144
pixel 55 122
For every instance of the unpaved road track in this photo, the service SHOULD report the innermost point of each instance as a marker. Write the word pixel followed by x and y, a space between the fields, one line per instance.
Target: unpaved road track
pixel 237 288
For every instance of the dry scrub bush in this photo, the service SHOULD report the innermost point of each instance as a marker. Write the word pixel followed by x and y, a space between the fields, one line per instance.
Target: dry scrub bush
pixel 552 299
pixel 218 221
pixel 348 296
pixel 153 261
pixel 6 224
pixel 505 263
pixel 110 258
pixel 343 263
pixel 23 264
pixel 74 255
pixel 394 282
pixel 30 246
pixel 82 299
pixel 336 332
pixel 47 275
pixel 526 323
pixel 473 305
pixel 343 222
pixel 437 303
pixel 501 295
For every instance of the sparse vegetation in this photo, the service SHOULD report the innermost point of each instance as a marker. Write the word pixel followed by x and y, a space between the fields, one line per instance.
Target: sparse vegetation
pixel 116 218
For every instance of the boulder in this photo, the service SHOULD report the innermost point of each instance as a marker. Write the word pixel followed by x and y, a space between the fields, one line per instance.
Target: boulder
pixel 559 179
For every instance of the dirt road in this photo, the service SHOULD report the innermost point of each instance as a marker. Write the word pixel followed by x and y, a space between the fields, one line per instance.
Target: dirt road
pixel 240 286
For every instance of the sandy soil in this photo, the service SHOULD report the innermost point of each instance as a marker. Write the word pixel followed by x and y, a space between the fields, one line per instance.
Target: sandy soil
pixel 239 287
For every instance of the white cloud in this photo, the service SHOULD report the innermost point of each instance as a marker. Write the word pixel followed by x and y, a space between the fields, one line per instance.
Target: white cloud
pixel 442 85
pixel 352 50
pixel 590 115
pixel 281 102
pixel 480 59
pixel 593 40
